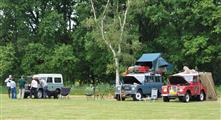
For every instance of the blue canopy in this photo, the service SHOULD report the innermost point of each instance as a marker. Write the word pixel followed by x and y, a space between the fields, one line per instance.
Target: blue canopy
pixel 149 57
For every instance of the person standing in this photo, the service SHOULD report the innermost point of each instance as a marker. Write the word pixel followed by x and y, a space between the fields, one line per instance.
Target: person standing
pixel 34 86
pixel 7 81
pixel 21 83
pixel 44 85
pixel 13 89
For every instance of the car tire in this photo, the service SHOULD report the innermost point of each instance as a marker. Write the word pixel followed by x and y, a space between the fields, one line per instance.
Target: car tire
pixel 40 94
pixel 186 98
pixel 25 96
pixel 166 99
pixel 201 97
pixel 138 96
pixel 118 97
pixel 56 93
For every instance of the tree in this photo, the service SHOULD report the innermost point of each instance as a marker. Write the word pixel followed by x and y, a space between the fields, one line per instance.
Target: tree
pixel 111 24
pixel 7 61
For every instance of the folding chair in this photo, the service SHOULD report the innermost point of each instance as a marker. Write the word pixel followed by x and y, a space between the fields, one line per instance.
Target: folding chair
pixel 89 93
pixel 65 92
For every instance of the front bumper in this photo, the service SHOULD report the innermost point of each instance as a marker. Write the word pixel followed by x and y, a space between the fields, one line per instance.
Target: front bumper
pixel 125 93
pixel 172 95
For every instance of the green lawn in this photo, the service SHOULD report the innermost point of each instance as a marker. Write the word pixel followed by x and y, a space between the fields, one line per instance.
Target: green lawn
pixel 78 107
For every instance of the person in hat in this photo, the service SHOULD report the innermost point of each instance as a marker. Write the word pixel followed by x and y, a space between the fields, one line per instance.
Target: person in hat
pixel 7 81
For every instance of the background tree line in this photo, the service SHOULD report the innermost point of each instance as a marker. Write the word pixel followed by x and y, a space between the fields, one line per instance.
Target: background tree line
pixel 59 36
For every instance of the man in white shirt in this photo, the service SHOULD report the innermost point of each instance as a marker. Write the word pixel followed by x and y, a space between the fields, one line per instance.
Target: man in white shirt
pixel 7 81
pixel 44 85
pixel 13 89
pixel 34 86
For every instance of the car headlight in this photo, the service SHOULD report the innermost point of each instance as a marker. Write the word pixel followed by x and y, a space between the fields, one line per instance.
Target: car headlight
pixel 118 88
pixel 164 89
pixel 180 89
pixel 133 88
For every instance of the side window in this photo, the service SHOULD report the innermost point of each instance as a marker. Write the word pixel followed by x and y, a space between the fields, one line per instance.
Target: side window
pixel 157 79
pixel 49 80
pixel 151 79
pixel 57 80
pixel 146 79
pixel 195 79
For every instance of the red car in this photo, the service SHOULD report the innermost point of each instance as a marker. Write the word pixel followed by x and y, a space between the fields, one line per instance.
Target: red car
pixel 185 87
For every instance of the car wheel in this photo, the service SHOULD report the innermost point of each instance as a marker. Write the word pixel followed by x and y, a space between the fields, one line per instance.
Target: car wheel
pixel 25 96
pixel 118 97
pixel 201 97
pixel 40 94
pixel 138 95
pixel 186 98
pixel 57 92
pixel 166 99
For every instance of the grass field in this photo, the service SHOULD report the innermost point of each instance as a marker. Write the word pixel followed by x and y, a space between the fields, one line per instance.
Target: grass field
pixel 78 107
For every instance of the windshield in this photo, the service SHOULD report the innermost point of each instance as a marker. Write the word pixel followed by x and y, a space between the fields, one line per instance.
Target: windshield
pixel 130 80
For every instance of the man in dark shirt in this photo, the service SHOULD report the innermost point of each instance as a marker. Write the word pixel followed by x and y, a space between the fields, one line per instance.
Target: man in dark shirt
pixel 21 83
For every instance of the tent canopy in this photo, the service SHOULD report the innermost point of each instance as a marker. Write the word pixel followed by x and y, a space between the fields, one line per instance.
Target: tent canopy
pixel 152 60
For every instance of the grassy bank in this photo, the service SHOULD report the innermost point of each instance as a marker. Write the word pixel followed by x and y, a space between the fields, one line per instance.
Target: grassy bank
pixel 106 89
pixel 78 107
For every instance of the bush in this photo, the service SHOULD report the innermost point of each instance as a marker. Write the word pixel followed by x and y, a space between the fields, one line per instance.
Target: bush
pixel 218 89
pixel 100 89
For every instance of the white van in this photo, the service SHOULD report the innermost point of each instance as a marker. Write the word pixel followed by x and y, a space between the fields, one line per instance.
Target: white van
pixel 54 82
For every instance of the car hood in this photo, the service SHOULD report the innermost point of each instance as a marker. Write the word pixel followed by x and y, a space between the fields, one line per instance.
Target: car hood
pixel 174 80
pixel 130 80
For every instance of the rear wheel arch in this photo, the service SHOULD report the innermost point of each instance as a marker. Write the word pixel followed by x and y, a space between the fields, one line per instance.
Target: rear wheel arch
pixel 58 90
pixel 188 91
pixel 139 89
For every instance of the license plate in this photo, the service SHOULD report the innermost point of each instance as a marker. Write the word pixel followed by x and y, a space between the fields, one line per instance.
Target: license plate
pixel 126 88
pixel 173 93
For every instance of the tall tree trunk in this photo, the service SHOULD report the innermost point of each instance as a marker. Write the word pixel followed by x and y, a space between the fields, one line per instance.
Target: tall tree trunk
pixel 117 79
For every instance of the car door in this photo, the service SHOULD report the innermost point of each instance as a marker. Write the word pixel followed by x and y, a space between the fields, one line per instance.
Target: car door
pixel 50 83
pixel 195 84
pixel 148 84
pixel 57 82
pixel 158 83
